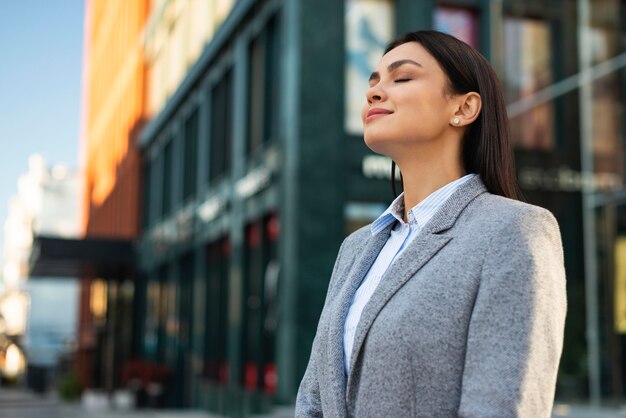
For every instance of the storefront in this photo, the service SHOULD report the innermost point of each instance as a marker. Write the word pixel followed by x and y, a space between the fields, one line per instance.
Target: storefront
pixel 213 205
pixel 106 270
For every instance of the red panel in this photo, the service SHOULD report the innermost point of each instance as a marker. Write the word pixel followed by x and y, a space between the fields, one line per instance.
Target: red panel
pixel 273 228
pixel 254 236
pixel 223 373
pixel 250 376
pixel 270 378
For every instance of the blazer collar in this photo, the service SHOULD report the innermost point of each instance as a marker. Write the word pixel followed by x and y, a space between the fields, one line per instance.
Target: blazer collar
pixel 414 257
pixel 452 208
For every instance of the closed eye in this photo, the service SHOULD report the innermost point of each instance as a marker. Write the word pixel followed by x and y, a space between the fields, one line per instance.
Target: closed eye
pixel 402 80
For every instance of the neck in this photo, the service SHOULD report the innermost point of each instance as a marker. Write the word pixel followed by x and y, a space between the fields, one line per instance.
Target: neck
pixel 424 173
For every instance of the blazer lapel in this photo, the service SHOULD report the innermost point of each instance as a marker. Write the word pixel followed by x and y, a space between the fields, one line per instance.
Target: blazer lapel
pixel 365 258
pixel 413 258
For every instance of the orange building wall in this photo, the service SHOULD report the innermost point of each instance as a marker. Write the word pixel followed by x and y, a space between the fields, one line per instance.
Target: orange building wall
pixel 113 112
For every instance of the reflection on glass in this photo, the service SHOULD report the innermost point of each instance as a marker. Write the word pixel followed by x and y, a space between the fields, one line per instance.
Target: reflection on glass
pixel 98 300
pixel 606 109
pixel 216 328
pixel 152 319
pixel 369 27
pixel 221 126
pixel 263 82
pixel 460 23
pixel 528 69
pixel 191 157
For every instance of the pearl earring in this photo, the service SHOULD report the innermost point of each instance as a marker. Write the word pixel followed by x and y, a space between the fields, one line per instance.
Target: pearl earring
pixel 456 121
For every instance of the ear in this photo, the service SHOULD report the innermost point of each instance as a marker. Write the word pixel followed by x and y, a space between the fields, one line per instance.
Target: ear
pixel 468 109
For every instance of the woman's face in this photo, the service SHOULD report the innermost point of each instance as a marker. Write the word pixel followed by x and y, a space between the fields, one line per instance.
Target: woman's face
pixel 407 101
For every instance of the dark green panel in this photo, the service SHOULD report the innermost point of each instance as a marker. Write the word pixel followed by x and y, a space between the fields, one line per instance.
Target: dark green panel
pixel 311 217
pixel 413 15
pixel 235 279
pixel 190 155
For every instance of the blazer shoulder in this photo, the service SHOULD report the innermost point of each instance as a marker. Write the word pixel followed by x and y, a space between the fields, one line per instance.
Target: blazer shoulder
pixel 510 209
pixel 506 215
pixel 353 244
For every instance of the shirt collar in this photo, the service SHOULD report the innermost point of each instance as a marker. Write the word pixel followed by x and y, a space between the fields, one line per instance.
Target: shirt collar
pixel 392 214
pixel 421 213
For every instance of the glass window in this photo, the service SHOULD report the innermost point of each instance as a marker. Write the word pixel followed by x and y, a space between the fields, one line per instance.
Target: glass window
pixel 221 127
pixel 191 158
pixel 261 304
pixel 186 274
pixel 255 98
pixel 171 338
pixel 153 315
pixel 253 291
pixel 272 79
pixel 605 43
pixel 607 106
pixel 269 380
pixel 216 335
pixel 163 306
pixel 166 205
pixel 369 28
pixel 461 23
pixel 147 193
pixel 185 319
pixel 528 69
pixel 263 84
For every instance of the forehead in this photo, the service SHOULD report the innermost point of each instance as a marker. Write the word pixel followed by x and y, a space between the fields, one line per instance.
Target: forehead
pixel 409 50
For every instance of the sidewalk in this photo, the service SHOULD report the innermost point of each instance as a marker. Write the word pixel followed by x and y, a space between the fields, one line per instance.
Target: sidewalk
pixel 18 403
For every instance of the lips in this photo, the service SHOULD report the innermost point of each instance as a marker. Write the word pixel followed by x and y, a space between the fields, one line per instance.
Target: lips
pixel 376 112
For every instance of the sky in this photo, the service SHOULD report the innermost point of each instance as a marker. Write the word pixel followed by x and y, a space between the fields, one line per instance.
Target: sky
pixel 40 87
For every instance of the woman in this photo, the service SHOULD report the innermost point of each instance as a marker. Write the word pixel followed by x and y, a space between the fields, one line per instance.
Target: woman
pixel 452 303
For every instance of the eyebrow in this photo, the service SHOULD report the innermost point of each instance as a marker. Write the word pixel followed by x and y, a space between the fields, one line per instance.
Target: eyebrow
pixel 394 66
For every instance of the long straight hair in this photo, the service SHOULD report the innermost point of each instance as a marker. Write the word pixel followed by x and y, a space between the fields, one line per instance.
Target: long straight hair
pixel 487 148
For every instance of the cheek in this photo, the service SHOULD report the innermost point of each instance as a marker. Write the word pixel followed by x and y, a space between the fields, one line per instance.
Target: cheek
pixel 423 109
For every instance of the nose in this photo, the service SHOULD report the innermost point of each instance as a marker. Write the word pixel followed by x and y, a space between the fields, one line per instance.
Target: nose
pixel 375 94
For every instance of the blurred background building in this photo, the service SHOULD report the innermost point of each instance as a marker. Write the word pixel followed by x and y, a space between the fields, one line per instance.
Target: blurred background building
pixel 39 313
pixel 225 164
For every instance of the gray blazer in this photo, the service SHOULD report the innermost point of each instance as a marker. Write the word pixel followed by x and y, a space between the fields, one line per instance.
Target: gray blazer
pixel 468 321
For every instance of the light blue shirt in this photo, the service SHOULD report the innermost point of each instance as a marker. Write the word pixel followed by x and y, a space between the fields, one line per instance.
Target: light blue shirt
pixel 401 236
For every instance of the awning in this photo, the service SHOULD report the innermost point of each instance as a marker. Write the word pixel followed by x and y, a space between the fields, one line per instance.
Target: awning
pixel 88 257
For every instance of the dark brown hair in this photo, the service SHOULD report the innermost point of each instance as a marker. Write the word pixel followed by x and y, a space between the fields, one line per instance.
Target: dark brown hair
pixel 487 147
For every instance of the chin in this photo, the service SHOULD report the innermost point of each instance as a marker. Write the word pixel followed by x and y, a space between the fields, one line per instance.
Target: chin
pixel 378 144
